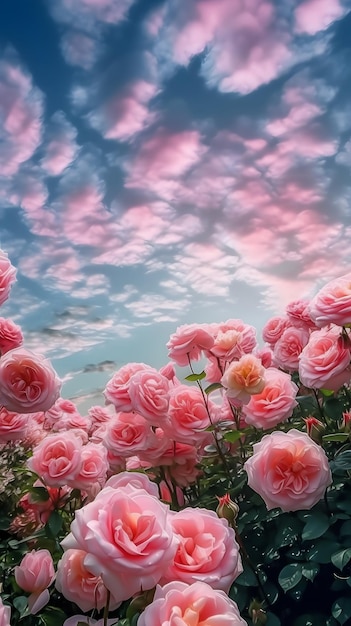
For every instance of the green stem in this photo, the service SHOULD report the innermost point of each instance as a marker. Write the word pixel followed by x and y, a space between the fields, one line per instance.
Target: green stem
pixel 107 606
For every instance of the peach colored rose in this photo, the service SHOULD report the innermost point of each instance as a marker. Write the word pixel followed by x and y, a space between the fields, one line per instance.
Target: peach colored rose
pixel 57 459
pixel 233 339
pixel 117 388
pixel 332 304
pixel 188 415
pixel 287 350
pixel 207 550
pixel 149 395
pixel 190 605
pixel 288 470
pixel 274 328
pixel 10 335
pixel 188 342
pixel 13 426
pixel 77 584
pixel 35 574
pixel 5 614
pixel 128 537
pixel 28 383
pixel 243 378
pixel 7 276
pixel 274 404
pixel 324 361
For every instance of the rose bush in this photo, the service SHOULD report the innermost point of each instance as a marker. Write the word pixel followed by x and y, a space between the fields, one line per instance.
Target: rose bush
pixel 215 496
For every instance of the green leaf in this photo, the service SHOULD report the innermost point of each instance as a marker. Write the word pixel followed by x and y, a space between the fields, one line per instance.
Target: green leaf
pixel 322 551
pixel 53 616
pixel 290 576
pixel 213 387
pixel 247 579
pixel 287 531
pixel 272 620
pixel 54 523
pixel 333 408
pixel 316 525
pixel 341 558
pixel 233 435
pixel 194 377
pixel 345 530
pixel 327 392
pixel 341 610
pixel 39 494
pixel 20 603
pixel 310 570
pixel 342 461
pixel 335 437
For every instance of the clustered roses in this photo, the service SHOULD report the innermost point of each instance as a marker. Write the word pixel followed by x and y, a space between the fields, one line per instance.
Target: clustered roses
pixel 132 467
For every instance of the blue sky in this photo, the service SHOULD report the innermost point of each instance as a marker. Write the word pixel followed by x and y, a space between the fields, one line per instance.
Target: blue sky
pixel 165 162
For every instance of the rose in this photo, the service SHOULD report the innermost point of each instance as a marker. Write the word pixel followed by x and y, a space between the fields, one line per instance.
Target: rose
pixel 7 276
pixel 149 395
pixel 57 459
pixel 332 304
pixel 93 468
pixel 79 585
pixel 288 470
pixel 244 378
pixel 189 605
pixel 188 415
pixel 274 328
pixel 128 537
pixel 127 434
pixel 75 620
pixel 288 348
pixel 274 404
pixel 188 342
pixel 5 614
pixel 180 461
pixel 28 383
pixel 117 388
pixel 10 335
pixel 298 314
pixel 35 574
pixel 138 480
pixel 207 550
pixel 233 339
pixel 12 425
pixel 324 361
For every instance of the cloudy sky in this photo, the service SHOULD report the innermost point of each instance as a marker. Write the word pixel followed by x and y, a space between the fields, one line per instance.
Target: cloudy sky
pixel 165 162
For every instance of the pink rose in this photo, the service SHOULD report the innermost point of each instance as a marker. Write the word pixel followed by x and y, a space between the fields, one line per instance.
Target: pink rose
pixel 188 342
pixel 288 470
pixel 57 498
pixel 28 383
pixel 5 614
pixel 233 339
pixel 207 550
pixel 274 404
pixel 127 434
pixel 243 378
pixel 184 604
pixel 77 584
pixel 324 362
pixel 137 480
pixel 13 426
pixel 180 461
pixel 188 415
pixel 274 328
pixel 35 574
pixel 287 350
pixel 10 335
pixel 213 370
pixel 93 468
pixel 128 538
pixel 149 395
pixel 298 314
pixel 117 388
pixel 57 459
pixel 7 276
pixel 99 415
pixel 332 304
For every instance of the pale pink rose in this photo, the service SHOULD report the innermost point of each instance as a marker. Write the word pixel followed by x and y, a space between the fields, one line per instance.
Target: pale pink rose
pixel 274 328
pixel 243 378
pixel 137 480
pixel 233 339
pixel 298 313
pixel 288 470
pixel 287 350
pixel 149 395
pixel 157 447
pixel 213 369
pixel 324 362
pixel 28 383
pixel 188 342
pixel 332 304
pixel 13 426
pixel 35 574
pixel 117 388
pixel 207 550
pixel 168 371
pixel 77 584
pixel 274 404
pixel 265 355
pixel 128 538
pixel 167 496
pixel 99 415
pixel 180 463
pixel 10 335
pixel 93 468
pixel 7 276
pixel 5 614
pixel 127 434
pixel 188 415
pixel 188 605
pixel 64 412
pixel 57 459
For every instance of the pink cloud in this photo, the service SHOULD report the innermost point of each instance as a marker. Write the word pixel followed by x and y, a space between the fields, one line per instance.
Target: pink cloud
pixel 85 12
pixel 312 16
pixel 84 218
pixel 79 49
pixel 21 109
pixel 61 148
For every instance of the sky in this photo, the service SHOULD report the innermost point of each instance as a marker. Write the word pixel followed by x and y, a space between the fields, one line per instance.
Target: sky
pixel 165 162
